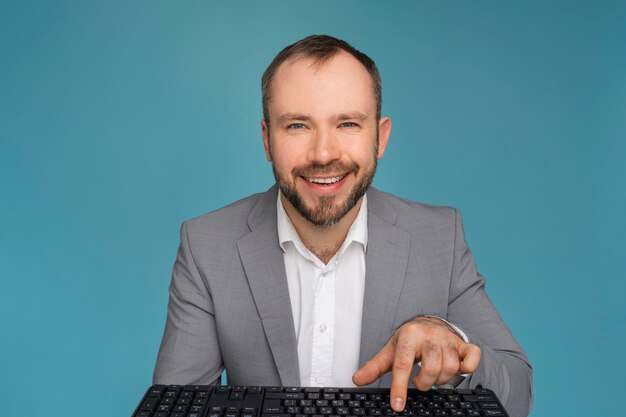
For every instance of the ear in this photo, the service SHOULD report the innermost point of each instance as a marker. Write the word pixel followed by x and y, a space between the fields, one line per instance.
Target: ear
pixel 384 130
pixel 265 133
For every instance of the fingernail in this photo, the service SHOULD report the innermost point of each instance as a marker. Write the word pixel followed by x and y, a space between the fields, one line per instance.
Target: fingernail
pixel 397 403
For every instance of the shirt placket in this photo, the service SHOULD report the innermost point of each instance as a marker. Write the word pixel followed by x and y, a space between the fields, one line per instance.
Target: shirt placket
pixel 323 327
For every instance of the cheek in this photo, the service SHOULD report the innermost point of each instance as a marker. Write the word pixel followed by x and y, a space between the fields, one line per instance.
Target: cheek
pixel 285 157
pixel 364 156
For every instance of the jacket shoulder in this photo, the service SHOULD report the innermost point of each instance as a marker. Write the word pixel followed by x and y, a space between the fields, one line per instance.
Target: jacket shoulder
pixel 413 216
pixel 228 220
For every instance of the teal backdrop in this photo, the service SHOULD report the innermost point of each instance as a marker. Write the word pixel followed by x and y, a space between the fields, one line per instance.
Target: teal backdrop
pixel 121 119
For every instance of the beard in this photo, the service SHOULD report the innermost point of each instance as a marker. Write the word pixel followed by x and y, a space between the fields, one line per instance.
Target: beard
pixel 327 213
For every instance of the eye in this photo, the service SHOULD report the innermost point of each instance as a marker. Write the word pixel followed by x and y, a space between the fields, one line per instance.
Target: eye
pixel 348 124
pixel 296 126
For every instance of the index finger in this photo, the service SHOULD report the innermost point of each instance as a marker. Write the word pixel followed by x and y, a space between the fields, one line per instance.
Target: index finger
pixel 407 349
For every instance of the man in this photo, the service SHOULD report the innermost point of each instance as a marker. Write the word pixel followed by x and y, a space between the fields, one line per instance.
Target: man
pixel 322 280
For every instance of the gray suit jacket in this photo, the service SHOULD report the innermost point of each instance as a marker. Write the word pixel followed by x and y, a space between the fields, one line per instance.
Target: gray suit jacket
pixel 229 302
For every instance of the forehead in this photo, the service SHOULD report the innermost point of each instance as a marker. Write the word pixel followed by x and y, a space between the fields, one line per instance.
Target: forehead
pixel 338 85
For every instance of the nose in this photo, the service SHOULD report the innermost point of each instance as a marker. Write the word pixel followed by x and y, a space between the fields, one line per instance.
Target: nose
pixel 324 147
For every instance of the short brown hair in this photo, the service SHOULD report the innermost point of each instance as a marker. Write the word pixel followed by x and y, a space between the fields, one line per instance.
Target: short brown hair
pixel 321 48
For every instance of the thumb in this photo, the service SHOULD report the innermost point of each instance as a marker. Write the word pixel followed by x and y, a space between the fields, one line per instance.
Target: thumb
pixel 470 358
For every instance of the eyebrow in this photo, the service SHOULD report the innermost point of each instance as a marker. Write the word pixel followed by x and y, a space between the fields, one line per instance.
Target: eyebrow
pixel 351 116
pixel 289 117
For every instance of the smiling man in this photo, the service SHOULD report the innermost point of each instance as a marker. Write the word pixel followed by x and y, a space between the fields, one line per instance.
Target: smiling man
pixel 322 280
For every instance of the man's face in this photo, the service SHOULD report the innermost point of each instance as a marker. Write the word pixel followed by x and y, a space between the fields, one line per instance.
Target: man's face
pixel 323 138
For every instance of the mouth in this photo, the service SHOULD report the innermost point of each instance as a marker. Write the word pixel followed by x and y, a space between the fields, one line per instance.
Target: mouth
pixel 325 181
pixel 326 185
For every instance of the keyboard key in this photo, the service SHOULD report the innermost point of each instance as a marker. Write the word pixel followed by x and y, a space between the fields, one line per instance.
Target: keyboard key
pixel 480 390
pixel 183 401
pixel 157 391
pixel 493 413
pixel 483 397
pixel 168 400
pixel 236 396
pixel 285 395
pixel 150 404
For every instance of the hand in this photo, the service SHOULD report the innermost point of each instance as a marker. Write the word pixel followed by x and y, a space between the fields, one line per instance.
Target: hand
pixel 442 352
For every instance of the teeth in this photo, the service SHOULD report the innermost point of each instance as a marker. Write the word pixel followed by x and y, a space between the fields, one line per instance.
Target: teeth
pixel 325 180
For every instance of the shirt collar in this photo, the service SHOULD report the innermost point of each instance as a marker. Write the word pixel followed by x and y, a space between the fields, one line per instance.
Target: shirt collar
pixel 288 233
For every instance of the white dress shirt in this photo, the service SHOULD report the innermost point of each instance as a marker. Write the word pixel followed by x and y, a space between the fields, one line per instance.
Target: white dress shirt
pixel 327 302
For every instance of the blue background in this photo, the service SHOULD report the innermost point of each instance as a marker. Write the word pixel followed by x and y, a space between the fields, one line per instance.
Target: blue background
pixel 121 119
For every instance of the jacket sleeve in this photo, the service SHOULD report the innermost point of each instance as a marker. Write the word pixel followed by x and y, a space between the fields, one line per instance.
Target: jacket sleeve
pixel 504 366
pixel 190 352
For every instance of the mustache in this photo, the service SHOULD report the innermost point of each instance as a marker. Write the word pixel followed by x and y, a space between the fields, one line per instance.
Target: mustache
pixel 313 170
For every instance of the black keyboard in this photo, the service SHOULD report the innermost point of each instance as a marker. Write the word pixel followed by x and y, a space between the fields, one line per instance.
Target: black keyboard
pixel 249 401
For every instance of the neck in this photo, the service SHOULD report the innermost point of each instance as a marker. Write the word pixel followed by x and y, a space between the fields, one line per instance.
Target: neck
pixel 323 242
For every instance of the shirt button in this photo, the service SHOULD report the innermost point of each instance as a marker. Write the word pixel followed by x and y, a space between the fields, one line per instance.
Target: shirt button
pixel 324 273
pixel 319 380
pixel 323 328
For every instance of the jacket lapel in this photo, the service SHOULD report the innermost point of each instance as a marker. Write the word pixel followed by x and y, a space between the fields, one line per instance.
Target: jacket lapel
pixel 386 263
pixel 264 264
